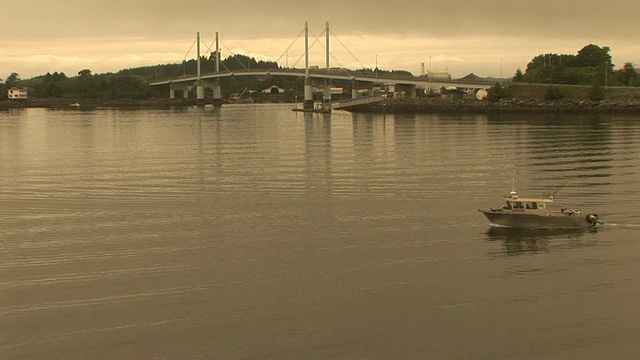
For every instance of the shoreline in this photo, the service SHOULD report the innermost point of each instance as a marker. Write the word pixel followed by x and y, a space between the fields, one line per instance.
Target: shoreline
pixel 86 103
pixel 390 106
pixel 472 106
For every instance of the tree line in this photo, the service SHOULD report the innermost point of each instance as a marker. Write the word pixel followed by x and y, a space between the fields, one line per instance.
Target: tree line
pixel 83 86
pixel 130 83
pixel 590 66
pixel 133 83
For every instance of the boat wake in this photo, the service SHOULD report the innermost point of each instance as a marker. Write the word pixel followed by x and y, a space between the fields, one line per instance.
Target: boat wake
pixel 623 226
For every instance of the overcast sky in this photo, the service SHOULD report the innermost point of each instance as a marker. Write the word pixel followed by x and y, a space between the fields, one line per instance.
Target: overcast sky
pixel 488 38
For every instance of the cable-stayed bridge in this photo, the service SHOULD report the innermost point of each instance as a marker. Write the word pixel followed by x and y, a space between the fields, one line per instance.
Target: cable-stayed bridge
pixel 403 84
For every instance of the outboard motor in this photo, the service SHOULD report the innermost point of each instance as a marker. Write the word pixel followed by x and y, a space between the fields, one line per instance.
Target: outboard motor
pixel 593 219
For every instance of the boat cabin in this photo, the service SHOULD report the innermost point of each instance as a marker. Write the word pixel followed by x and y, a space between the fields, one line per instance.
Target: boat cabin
pixel 513 202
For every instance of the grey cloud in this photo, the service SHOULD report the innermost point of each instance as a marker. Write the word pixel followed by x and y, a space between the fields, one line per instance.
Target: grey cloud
pixel 265 19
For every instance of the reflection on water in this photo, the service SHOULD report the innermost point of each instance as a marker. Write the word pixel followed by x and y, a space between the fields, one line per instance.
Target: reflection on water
pixel 257 232
pixel 521 241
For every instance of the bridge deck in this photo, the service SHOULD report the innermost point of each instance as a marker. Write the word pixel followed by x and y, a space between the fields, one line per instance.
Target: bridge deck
pixel 386 79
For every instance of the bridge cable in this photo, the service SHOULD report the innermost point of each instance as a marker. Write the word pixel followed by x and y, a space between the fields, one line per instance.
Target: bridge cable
pixel 317 38
pixel 209 51
pixel 330 52
pixel 188 51
pixel 234 56
pixel 290 45
pixel 338 62
pixel 310 46
pixel 184 70
pixel 210 46
pixel 343 45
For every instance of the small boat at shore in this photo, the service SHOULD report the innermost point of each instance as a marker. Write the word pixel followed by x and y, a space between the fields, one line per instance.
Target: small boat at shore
pixel 532 213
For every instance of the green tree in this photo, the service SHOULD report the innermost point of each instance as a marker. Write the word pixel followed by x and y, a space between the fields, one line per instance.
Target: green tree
pixel 50 86
pixel 593 55
pixel 553 93
pixel 592 62
pixel 498 92
pixel 84 72
pixel 128 87
pixel 12 80
pixel 630 75
pixel 547 68
pixel 597 93
pixel 518 77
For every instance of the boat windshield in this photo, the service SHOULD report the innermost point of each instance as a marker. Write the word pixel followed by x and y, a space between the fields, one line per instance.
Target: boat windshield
pixel 515 205
pixel 524 205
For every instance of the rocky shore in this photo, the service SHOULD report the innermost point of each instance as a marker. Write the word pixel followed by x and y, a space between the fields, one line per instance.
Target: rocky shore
pixel 437 105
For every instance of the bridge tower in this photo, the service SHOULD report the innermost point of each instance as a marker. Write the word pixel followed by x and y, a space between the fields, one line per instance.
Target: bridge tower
pixel 326 89
pixel 308 91
pixel 199 86
pixel 217 92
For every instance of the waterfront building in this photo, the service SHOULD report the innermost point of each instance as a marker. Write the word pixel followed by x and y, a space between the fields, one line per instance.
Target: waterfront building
pixel 16 93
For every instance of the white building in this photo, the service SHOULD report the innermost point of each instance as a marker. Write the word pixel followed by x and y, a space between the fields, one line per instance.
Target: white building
pixel 16 93
pixel 443 75
pixel 273 89
pixel 335 90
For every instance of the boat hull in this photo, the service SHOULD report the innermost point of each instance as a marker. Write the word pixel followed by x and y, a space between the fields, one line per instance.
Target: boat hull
pixel 539 220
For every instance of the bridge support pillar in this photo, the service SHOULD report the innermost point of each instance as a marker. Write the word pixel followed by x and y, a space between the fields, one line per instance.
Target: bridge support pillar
pixel 412 93
pixel 326 91
pixel 217 93
pixel 354 89
pixel 406 91
pixel 199 90
pixel 308 95
pixel 308 91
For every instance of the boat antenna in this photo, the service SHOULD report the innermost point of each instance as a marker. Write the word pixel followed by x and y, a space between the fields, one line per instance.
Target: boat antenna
pixel 553 193
pixel 513 185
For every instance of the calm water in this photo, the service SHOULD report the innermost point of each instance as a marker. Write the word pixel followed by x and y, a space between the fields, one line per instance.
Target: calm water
pixel 253 232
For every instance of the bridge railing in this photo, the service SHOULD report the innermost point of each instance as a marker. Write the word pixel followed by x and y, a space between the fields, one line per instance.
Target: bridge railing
pixel 339 104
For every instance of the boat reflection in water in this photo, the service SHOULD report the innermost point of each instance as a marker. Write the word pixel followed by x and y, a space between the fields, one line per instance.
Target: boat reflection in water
pixel 518 241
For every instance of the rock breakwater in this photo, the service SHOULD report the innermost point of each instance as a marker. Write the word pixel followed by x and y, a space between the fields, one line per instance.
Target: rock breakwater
pixel 437 105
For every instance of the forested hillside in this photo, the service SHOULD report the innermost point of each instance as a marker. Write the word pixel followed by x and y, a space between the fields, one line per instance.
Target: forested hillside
pixel 591 65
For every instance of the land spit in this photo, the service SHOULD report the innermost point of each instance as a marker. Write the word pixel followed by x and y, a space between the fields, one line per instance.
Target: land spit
pixel 438 105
